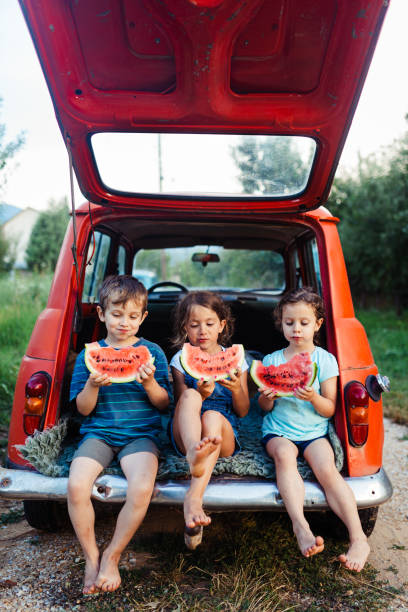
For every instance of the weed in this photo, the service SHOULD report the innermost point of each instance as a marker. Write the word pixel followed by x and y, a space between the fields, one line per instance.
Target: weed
pixel 247 562
pixel 22 297
pixel 14 515
pixel 388 337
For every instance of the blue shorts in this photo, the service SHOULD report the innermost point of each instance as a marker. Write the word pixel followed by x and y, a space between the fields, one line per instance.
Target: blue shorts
pixel 178 452
pixel 300 444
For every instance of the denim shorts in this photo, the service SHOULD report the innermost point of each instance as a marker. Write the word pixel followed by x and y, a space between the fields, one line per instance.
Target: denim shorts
pixel 103 453
pixel 300 444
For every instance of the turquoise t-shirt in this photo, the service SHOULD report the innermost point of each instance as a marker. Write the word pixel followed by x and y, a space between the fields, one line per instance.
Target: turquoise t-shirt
pixel 291 417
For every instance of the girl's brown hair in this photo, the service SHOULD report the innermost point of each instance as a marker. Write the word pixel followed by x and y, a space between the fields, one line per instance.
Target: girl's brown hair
pixel 210 300
pixel 303 294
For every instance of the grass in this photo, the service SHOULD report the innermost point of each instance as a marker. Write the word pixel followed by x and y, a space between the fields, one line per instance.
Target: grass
pixel 22 298
pixel 388 337
pixel 247 562
pixel 13 515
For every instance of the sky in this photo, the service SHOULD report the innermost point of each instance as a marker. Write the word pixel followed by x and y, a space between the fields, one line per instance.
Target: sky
pixel 40 170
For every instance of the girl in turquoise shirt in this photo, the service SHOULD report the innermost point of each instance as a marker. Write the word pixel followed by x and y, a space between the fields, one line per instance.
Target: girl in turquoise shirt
pixel 297 426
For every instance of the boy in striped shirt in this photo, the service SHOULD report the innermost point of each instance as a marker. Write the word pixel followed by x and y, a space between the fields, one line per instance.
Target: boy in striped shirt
pixel 122 420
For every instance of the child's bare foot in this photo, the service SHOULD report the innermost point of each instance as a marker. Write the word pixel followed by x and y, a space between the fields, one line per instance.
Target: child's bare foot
pixel 356 555
pixel 108 578
pixel 197 455
pixel 193 536
pixel 91 572
pixel 308 543
pixel 193 512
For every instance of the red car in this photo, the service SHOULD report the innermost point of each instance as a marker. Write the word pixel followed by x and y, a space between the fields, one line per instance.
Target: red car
pixel 204 135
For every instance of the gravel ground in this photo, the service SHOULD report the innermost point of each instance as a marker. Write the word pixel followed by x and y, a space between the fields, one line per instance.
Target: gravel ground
pixel 40 571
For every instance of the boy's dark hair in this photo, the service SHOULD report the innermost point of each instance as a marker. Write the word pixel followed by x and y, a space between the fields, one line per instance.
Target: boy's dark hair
pixel 124 288
pixel 302 294
pixel 208 299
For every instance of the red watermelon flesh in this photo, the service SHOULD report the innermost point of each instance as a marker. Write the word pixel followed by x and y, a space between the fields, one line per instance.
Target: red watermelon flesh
pixel 300 371
pixel 121 365
pixel 201 365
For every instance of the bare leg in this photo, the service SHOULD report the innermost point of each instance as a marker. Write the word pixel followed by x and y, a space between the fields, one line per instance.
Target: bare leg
pixel 292 490
pixel 82 476
pixel 319 455
pixel 140 470
pixel 187 429
pixel 203 441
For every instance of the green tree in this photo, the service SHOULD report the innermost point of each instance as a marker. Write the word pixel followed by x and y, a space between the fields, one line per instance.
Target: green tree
pixel 373 207
pixel 237 268
pixel 47 236
pixel 272 166
pixel 7 151
pixel 6 254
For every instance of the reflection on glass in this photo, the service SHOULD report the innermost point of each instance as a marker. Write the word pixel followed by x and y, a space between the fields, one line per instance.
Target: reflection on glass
pixel 226 269
pixel 204 164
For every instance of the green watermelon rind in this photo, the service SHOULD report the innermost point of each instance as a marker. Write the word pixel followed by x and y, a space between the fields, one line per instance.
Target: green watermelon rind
pixel 113 379
pixel 260 383
pixel 199 375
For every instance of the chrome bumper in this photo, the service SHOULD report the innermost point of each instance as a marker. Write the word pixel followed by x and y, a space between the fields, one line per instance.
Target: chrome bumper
pixel 224 494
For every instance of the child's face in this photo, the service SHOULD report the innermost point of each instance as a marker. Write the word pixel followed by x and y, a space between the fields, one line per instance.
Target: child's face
pixel 299 325
pixel 203 328
pixel 122 321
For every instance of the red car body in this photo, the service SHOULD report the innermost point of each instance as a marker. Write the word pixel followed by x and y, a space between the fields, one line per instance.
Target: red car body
pixel 207 67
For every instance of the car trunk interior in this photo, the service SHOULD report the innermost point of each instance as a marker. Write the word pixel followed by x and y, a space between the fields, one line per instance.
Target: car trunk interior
pixel 252 311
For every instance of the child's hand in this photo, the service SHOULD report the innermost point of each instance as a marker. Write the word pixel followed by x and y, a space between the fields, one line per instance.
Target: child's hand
pixel 233 383
pixel 305 393
pixel 99 380
pixel 268 393
pixel 205 387
pixel 145 374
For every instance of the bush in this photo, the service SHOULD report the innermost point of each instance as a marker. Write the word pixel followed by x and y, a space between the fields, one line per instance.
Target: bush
pixel 47 236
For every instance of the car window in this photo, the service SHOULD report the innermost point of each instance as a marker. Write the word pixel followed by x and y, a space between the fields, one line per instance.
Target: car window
pixel 309 274
pixel 222 165
pixel 121 262
pixel 212 267
pixel 96 268
pixel 312 245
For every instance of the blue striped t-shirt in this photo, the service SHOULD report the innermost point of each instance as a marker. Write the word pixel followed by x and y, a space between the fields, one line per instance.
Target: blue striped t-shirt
pixel 123 411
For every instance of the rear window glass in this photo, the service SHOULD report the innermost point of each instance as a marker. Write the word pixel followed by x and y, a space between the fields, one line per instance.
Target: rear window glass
pixel 213 165
pixel 212 267
pixel 97 258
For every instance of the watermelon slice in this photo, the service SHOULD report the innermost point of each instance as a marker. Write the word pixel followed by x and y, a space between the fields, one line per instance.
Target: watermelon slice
pixel 300 371
pixel 121 365
pixel 201 365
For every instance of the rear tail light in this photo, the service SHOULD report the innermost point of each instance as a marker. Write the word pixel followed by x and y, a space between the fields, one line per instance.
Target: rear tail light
pixel 37 391
pixel 357 400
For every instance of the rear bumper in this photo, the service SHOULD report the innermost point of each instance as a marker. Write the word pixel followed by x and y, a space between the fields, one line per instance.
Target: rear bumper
pixel 221 494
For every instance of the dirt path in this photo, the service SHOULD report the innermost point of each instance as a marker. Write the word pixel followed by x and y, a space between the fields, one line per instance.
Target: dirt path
pixel 389 541
pixel 36 568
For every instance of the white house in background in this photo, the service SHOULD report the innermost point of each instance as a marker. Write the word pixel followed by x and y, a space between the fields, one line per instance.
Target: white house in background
pixel 17 224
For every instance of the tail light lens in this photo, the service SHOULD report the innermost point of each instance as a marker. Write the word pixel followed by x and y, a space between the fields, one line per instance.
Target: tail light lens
pixel 37 391
pixel 357 400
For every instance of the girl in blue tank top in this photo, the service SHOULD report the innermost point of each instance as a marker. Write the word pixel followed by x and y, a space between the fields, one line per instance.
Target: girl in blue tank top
pixel 206 418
